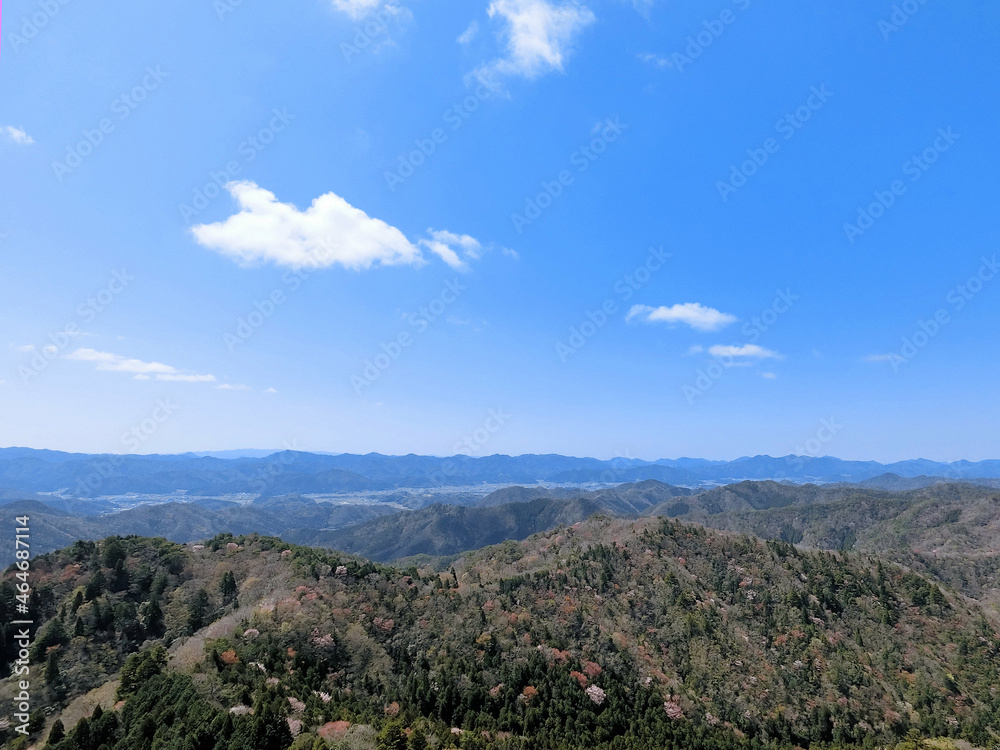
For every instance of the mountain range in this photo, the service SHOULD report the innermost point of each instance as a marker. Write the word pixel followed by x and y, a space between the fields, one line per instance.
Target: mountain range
pixel 286 472
pixel 935 520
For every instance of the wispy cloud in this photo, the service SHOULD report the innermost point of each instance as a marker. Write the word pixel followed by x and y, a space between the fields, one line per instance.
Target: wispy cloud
pixel 653 59
pixel 880 357
pixel 469 34
pixel 330 232
pixel 186 378
pixel 768 375
pixel 643 6
pixel 447 246
pixel 140 370
pixel 538 36
pixel 693 314
pixel 17 135
pixel 233 387
pixel 356 9
pixel 747 351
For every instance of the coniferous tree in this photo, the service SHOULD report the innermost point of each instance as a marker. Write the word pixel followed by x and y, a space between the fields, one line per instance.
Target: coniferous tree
pixel 57 733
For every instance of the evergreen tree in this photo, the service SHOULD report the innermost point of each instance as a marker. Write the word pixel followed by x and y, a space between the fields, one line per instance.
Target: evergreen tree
pixel 391 737
pixel 52 669
pixel 57 733
pixel 228 587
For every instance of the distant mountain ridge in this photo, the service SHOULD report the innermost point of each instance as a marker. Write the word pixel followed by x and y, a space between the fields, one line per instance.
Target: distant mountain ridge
pixel 943 519
pixel 83 475
pixel 376 530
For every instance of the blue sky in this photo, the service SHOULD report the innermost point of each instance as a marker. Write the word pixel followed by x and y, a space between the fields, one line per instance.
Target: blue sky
pixel 386 268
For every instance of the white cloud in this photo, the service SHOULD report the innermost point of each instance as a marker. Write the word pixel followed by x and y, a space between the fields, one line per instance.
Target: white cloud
pixel 17 135
pixel 643 6
pixel 356 9
pixel 444 244
pixel 270 390
pixel 183 378
pixel 692 314
pixel 116 363
pixel 329 232
pixel 469 34
pixel 653 59
pixel 232 387
pixel 511 253
pixel 108 362
pixel 750 351
pixel 695 349
pixel 25 348
pixel 768 375
pixel 538 36
pixel 880 357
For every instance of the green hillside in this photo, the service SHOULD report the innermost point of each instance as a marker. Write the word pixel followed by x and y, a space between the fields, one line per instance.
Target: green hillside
pixel 605 634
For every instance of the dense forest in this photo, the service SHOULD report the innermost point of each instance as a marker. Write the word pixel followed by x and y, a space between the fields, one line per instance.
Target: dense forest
pixel 606 634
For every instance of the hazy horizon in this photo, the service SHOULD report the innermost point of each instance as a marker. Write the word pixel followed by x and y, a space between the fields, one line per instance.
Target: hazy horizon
pixel 263 452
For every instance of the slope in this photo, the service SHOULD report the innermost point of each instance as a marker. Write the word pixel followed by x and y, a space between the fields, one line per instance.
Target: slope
pixel 606 634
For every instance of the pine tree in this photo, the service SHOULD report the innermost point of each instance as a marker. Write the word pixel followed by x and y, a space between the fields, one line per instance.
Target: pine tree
pixel 228 587
pixel 391 737
pixel 57 733
pixel 418 740
pixel 52 669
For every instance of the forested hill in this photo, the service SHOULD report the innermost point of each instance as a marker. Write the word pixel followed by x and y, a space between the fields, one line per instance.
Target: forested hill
pixel 607 634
